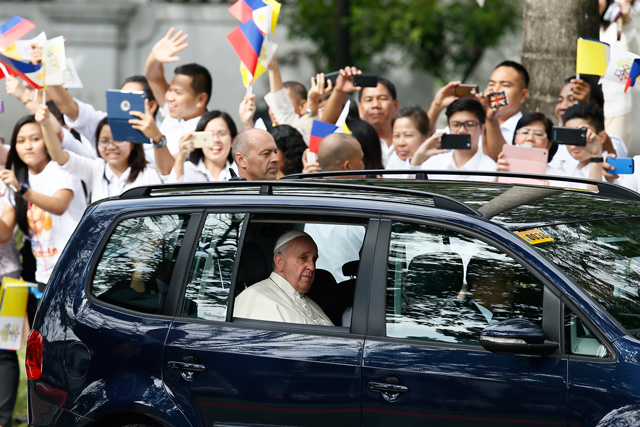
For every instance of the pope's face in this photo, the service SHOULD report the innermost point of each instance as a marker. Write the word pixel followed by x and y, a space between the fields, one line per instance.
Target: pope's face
pixel 298 263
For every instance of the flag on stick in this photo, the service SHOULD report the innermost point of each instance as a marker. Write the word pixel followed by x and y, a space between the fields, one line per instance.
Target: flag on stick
pixel 26 70
pixel 633 74
pixel 12 30
pixel 246 40
pixel 242 10
pixel 275 12
pixel 319 130
pixel 592 57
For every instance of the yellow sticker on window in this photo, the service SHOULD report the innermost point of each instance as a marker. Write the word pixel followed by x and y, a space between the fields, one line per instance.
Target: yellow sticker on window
pixel 533 237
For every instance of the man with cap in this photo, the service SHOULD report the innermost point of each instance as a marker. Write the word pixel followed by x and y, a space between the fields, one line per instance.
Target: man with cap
pixel 281 296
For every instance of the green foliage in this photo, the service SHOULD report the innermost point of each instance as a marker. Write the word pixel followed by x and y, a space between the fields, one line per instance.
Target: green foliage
pixel 444 37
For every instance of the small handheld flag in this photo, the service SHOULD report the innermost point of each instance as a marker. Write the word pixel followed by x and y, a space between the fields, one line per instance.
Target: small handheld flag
pixel 12 30
pixel 246 40
pixel 592 57
pixel 319 130
pixel 22 69
pixel 242 10
pixel 633 74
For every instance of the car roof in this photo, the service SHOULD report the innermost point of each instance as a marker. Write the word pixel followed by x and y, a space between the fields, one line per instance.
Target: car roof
pixel 513 206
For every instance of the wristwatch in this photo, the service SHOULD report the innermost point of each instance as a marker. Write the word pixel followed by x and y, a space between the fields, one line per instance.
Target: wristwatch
pixel 309 112
pixel 596 160
pixel 23 188
pixel 160 144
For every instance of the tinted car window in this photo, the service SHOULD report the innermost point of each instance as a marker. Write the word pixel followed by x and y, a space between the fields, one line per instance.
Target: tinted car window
pixel 447 287
pixel 603 257
pixel 210 277
pixel 134 270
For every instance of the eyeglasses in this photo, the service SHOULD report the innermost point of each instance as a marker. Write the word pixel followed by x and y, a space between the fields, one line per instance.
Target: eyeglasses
pixel 526 132
pixel 222 134
pixel 105 143
pixel 468 125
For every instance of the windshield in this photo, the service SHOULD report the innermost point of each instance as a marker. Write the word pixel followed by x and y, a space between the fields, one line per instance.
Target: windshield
pixel 603 257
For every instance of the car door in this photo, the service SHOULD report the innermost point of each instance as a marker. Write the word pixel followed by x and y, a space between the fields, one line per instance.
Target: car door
pixel 423 363
pixel 223 370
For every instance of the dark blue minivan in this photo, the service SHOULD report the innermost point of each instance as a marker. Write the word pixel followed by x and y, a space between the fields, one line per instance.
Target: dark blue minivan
pixel 453 304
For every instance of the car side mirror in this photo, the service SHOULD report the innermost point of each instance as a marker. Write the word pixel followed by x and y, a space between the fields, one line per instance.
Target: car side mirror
pixel 517 336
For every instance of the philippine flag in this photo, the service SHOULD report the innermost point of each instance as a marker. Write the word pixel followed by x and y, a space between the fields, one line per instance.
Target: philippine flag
pixel 319 130
pixel 12 30
pixel 247 40
pixel 26 70
pixel 242 10
pixel 634 73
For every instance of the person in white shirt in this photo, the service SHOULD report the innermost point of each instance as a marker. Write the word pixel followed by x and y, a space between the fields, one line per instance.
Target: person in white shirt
pixel 121 164
pixel 577 91
pixel 182 101
pixel 45 202
pixel 378 105
pixel 590 156
pixel 465 116
pixel 281 297
pixel 208 163
pixel 533 130
pixel 410 129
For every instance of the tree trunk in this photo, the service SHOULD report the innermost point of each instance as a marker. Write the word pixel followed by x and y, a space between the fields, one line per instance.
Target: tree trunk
pixel 549 38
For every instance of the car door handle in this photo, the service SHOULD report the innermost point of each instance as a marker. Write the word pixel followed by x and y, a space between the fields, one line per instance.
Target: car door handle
pixel 388 388
pixel 186 367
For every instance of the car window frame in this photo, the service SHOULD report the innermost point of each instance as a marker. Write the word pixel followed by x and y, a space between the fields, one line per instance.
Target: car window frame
pixel 552 321
pixel 96 256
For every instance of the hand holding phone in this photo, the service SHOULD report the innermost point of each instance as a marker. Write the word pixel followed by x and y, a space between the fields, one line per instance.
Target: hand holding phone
pixel 466 90
pixel 569 136
pixel 621 165
pixel 202 139
pixel 365 80
pixel 455 142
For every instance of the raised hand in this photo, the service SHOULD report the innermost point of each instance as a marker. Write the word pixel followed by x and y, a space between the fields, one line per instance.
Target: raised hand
pixel 145 122
pixel 167 47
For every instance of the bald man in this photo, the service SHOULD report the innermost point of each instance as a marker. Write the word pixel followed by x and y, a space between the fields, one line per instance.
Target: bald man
pixel 340 152
pixel 256 155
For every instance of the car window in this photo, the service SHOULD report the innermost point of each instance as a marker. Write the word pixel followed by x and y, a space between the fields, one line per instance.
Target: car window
pixel 579 340
pixel 447 287
pixel 209 282
pixel 135 268
pixel 330 296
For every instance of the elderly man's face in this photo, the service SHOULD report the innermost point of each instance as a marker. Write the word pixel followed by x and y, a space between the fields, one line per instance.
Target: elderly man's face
pixel 298 263
pixel 262 159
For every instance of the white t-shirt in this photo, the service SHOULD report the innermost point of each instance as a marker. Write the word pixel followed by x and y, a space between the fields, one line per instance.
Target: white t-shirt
pixel 396 163
pixel 445 161
pixel 387 151
pixel 173 129
pixel 564 160
pixel 200 173
pixel 49 233
pixel 102 181
pixel 275 300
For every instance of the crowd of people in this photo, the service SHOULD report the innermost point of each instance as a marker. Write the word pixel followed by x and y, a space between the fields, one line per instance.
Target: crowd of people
pixel 62 154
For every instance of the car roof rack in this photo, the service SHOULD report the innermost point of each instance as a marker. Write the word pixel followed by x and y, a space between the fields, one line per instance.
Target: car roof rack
pixel 605 188
pixel 266 188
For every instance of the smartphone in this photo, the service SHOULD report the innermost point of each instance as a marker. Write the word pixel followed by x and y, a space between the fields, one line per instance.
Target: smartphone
pixel 622 165
pixel 525 160
pixel 333 76
pixel 569 136
pixel 202 139
pixel 465 90
pixel 455 142
pixel 365 80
